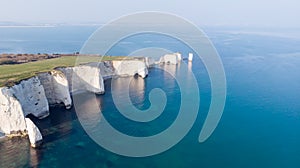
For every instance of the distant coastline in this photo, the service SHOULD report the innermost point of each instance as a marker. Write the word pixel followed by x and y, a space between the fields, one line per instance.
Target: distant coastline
pixel 33 25
pixel 27 26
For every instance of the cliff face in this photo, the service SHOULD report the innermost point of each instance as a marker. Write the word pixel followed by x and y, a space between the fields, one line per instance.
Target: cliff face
pixel 84 78
pixel 31 95
pixel 34 95
pixel 149 62
pixel 106 69
pixel 34 134
pixel 124 67
pixel 56 88
pixel 130 68
pixel 90 77
pixel 11 113
pixel 170 58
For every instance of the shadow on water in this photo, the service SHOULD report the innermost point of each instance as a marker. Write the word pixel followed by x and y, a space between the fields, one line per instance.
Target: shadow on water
pixel 57 125
pixel 16 152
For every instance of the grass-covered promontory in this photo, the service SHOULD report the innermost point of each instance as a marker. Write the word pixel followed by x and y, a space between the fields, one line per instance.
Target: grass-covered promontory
pixel 12 74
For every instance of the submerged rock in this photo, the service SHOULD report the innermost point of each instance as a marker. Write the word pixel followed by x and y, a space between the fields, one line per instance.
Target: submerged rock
pixel 34 134
pixel 80 145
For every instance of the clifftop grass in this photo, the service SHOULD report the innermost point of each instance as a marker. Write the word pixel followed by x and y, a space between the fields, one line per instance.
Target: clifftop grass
pixel 12 74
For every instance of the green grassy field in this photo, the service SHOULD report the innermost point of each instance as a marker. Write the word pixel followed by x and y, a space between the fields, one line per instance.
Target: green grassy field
pixel 12 74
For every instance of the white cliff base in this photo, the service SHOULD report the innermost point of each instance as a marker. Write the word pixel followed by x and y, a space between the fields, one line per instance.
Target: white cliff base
pixel 34 134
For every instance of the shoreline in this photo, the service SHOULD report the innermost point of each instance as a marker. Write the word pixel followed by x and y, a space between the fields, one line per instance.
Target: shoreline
pixel 48 88
pixel 56 87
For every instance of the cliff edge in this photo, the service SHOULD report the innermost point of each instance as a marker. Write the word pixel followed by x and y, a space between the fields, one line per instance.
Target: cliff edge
pixel 35 95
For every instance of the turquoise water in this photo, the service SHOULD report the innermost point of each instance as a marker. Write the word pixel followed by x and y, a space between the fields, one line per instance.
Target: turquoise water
pixel 260 126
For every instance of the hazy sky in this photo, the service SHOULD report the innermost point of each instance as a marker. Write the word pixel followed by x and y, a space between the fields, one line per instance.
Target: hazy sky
pixel 283 13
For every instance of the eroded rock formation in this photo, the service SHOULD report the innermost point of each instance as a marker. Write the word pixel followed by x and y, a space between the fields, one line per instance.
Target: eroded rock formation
pixel 34 95
pixel 34 134
pixel 56 88
pixel 31 95
pixel 11 114
pixel 169 58
pixel 130 68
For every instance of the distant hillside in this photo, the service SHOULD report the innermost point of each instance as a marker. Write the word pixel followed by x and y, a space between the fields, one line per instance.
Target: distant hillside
pixel 13 24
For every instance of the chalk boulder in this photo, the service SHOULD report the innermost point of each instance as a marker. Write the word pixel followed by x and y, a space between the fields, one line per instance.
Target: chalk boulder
pixel 34 134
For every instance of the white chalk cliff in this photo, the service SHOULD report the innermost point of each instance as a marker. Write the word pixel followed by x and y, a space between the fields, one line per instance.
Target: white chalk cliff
pixel 90 77
pixel 106 69
pixel 149 61
pixel 12 119
pixel 130 68
pixel 34 95
pixel 34 134
pixel 11 113
pixel 170 58
pixel 56 88
pixel 31 95
pixel 84 78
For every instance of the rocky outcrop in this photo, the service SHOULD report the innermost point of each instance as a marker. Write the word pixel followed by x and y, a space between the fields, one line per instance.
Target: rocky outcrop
pixel 32 98
pixel 150 62
pixel 34 95
pixel 90 77
pixel 179 56
pixel 169 59
pixel 56 88
pixel 84 78
pixel 11 114
pixel 12 119
pixel 107 69
pixel 130 68
pixel 34 134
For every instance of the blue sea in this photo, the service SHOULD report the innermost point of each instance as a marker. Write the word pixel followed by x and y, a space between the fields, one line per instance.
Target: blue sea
pixel 260 125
